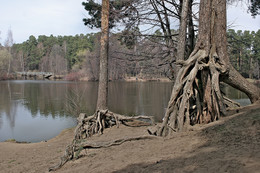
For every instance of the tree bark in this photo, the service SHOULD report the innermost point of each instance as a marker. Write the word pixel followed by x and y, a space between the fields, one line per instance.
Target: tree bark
pixel 191 32
pixel 103 70
pixel 182 34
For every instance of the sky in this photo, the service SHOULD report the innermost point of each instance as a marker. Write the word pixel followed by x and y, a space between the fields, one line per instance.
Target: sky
pixel 64 17
pixel 41 17
pixel 241 20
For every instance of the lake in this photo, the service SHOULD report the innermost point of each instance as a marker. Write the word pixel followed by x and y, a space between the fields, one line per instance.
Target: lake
pixel 34 111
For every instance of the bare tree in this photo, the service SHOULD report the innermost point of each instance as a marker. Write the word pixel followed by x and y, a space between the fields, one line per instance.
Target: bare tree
pixel 8 44
pixel 55 62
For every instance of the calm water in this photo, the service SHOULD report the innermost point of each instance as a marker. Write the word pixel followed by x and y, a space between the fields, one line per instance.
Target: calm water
pixel 34 111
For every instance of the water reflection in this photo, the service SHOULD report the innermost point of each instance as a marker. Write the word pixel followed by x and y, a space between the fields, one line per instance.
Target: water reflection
pixel 145 98
pixel 29 108
pixel 36 110
pixel 235 95
pixel 9 109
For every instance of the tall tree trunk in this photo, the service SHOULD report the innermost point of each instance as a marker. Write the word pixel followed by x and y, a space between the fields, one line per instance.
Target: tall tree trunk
pixel 22 62
pixel 182 34
pixel 191 37
pixel 251 67
pixel 9 66
pixel 9 62
pixel 103 68
pixel 237 63
pixel 196 95
pixel 240 61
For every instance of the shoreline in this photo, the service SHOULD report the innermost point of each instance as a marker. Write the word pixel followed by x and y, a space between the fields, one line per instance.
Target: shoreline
pixel 228 145
pixel 126 79
pixel 25 142
pixel 231 113
pixel 132 79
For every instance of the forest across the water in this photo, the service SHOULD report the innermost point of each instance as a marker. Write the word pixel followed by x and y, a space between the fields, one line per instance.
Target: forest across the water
pixel 130 55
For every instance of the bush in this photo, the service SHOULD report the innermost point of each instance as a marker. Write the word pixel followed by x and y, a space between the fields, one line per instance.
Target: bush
pixel 4 76
pixel 74 76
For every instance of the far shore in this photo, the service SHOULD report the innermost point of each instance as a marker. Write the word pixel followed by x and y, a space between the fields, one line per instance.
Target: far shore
pixel 86 79
pixel 126 79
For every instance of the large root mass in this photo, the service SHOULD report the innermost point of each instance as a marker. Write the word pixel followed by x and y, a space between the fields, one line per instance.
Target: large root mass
pixel 196 96
pixel 96 124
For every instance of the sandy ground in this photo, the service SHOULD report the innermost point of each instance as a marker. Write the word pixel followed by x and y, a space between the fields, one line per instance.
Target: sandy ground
pixel 229 145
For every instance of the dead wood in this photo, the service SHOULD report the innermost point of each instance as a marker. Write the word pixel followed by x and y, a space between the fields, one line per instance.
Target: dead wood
pixel 105 144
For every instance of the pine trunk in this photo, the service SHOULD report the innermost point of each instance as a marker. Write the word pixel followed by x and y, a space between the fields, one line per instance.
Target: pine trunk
pixel 103 68
pixel 182 33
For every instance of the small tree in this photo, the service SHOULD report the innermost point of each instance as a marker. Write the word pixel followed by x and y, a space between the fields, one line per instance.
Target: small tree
pixel 8 44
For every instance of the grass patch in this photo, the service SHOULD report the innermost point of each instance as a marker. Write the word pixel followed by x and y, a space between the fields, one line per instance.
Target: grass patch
pixel 59 151
pixel 10 140
pixel 11 161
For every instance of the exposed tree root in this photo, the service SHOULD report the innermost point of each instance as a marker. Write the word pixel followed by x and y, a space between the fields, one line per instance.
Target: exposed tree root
pixel 90 125
pixel 196 96
pixel 231 103
pixel 74 149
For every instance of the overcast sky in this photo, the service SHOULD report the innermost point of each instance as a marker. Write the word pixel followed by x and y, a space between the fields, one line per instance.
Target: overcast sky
pixel 64 17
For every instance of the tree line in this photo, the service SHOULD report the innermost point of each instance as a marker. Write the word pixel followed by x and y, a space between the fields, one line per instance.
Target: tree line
pixel 51 54
pixel 78 56
pixel 244 52
pixel 130 55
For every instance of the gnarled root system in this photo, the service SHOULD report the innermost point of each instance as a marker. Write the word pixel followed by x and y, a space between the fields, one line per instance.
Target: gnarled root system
pixel 96 124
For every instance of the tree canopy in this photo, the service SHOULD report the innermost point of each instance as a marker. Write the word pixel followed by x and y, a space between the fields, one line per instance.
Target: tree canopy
pixel 119 11
pixel 254 7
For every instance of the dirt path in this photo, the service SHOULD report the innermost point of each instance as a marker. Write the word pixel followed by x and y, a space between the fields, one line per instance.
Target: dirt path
pixel 229 145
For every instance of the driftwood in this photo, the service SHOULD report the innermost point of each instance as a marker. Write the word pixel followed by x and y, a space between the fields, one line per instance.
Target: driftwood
pixel 95 124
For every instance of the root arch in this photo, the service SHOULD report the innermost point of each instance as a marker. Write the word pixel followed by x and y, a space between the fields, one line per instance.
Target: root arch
pixel 196 96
